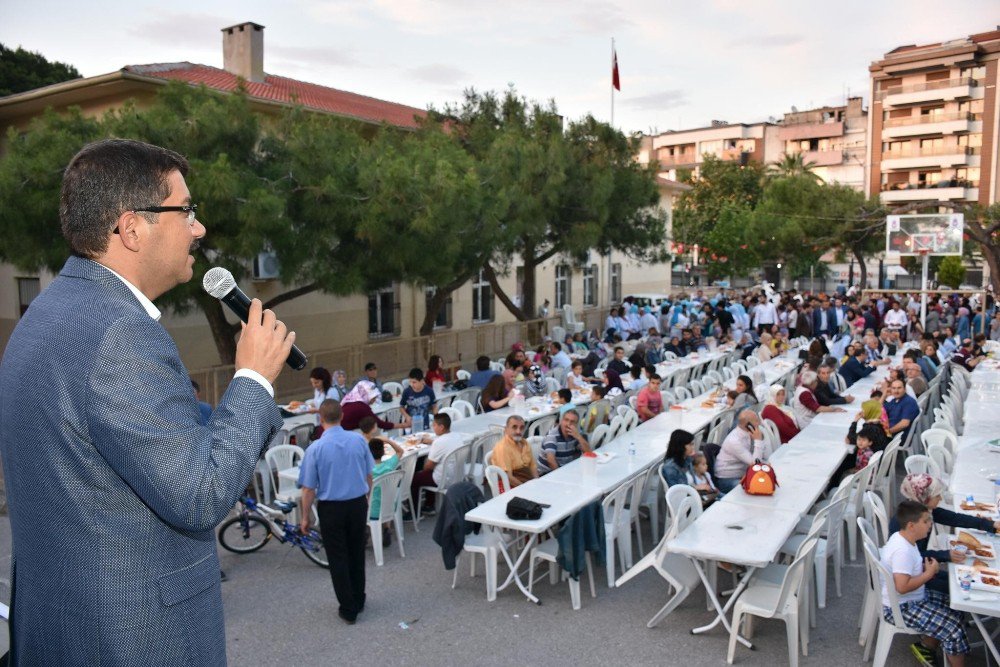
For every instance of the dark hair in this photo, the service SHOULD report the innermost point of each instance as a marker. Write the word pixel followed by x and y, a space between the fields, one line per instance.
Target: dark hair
pixel 909 511
pixel 377 447
pixel 443 419
pixel 749 385
pixel 679 440
pixel 557 346
pixel 494 390
pixel 619 348
pixel 912 355
pixel 107 178
pixel 635 370
pixel 416 374
pixel 576 363
pixel 654 376
pixel 367 423
pixel 370 366
pixel 650 369
pixel 600 390
pixel 329 411
pixel 565 394
pixel 482 363
pixel 434 363
pixel 323 375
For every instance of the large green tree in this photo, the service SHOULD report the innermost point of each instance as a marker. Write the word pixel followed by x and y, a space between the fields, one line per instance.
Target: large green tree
pixel 552 191
pixel 22 70
pixel 720 184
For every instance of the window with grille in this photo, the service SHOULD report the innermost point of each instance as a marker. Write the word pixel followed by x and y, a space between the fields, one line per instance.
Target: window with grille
pixel 383 312
pixel 616 283
pixel 590 285
pixel 27 290
pixel 562 285
pixel 443 319
pixel 482 299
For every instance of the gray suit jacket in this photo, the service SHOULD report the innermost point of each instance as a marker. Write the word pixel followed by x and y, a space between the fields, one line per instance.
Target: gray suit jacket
pixel 114 488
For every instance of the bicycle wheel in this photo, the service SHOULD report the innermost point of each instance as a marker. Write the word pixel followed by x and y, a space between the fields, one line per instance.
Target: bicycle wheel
pixel 244 534
pixel 312 547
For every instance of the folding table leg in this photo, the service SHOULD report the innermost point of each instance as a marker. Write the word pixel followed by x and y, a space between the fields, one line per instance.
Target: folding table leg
pixel 719 610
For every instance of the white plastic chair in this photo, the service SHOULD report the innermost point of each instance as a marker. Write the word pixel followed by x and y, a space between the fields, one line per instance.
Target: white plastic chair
pixel 548 551
pixel 861 482
pixel 826 525
pixel 462 374
pixel 453 414
pixel 598 436
pixel 877 517
pixel 883 481
pixel 540 426
pixel 878 575
pixel 696 387
pixel 408 464
pixel 284 457
pixel 939 436
pixel 678 571
pixel 615 428
pixel 453 470
pixel 871 603
pixel 464 407
pixel 920 463
pixel 390 509
pixel 682 394
pixel 942 458
pixel 394 388
pixel 652 493
pixel 475 467
pixel 618 529
pixel 497 479
pixel 630 419
pixel 486 544
pixel 781 603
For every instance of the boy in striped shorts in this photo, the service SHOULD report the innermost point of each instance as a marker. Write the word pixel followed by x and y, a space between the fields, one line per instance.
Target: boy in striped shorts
pixel 922 609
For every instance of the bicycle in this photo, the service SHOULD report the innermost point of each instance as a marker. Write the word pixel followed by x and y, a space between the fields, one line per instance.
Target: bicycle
pixel 257 523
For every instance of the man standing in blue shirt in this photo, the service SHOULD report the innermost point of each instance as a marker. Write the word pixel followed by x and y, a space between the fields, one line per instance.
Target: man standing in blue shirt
pixel 336 471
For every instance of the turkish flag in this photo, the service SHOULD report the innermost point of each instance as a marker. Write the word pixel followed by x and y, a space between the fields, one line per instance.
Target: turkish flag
pixel 615 81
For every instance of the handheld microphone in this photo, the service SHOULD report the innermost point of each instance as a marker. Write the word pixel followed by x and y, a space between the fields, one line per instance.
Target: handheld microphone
pixel 221 284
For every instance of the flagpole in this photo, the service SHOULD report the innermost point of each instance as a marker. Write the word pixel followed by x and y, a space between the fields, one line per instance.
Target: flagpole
pixel 612 82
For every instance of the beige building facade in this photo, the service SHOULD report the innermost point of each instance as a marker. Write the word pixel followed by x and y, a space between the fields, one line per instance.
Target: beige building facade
pixel 832 140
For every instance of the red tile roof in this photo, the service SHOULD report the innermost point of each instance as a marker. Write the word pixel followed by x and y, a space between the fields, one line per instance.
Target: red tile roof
pixel 287 91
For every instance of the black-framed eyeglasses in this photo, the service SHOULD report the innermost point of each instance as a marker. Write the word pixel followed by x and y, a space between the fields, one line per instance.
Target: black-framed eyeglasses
pixel 191 210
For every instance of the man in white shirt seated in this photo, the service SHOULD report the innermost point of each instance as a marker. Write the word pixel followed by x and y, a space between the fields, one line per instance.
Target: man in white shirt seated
pixel 744 445
pixel 559 357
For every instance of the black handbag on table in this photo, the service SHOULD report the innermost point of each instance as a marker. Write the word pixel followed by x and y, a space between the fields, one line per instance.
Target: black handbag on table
pixel 522 509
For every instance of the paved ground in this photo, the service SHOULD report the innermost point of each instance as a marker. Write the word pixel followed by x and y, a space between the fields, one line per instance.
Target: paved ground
pixel 280 609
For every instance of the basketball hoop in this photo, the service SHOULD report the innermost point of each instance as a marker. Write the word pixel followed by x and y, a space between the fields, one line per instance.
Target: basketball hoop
pixel 923 252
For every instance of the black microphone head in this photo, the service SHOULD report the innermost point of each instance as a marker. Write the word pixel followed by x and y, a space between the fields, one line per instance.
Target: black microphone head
pixel 218 282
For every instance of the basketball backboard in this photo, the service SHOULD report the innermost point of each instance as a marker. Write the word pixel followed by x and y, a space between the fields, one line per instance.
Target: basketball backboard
pixel 934 234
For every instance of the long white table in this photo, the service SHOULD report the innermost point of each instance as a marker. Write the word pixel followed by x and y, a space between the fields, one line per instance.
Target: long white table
pixel 974 465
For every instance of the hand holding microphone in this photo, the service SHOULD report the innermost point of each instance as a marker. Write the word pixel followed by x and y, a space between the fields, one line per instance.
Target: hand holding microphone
pixel 265 343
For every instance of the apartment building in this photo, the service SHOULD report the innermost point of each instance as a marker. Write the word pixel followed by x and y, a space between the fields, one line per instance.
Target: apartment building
pixel 380 325
pixel 684 150
pixel 833 140
pixel 933 123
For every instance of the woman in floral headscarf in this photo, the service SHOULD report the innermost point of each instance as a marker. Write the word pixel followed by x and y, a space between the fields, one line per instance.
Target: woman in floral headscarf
pixel 929 491
pixel 871 412
pixel 357 405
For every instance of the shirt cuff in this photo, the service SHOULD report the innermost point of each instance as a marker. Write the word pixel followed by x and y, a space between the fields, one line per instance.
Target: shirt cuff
pixel 256 377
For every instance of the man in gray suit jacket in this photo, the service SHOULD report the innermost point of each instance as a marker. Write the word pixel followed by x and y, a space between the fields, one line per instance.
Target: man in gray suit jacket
pixel 114 487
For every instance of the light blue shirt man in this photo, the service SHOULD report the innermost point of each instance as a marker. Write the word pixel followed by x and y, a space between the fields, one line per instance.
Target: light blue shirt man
pixel 337 465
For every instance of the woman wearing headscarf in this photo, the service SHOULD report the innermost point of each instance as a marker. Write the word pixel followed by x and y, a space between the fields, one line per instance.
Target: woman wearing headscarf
pixel 634 327
pixel 534 383
pixel 871 412
pixel 357 405
pixel 340 384
pixel 779 413
pixel 764 351
pixel 928 491
pixel 613 383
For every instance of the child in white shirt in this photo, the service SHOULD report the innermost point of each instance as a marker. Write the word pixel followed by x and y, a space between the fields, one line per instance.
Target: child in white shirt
pixel 701 479
pixel 922 609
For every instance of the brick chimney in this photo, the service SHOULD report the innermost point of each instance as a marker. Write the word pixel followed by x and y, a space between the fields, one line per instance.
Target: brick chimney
pixel 243 51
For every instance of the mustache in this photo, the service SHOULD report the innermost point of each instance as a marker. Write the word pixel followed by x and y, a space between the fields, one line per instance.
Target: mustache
pixel 195 245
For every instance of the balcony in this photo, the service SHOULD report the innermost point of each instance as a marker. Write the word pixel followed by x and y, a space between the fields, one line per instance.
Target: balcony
pixel 929 91
pixel 937 156
pixel 827 158
pixel 816 130
pixel 949 190
pixel 942 123
pixel 677 160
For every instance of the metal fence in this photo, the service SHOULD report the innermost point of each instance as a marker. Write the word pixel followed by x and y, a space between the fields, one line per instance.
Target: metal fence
pixel 396 356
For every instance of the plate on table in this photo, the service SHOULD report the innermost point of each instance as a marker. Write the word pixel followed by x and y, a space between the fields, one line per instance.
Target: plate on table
pixel 984 551
pixel 983 579
pixel 604 457
pixel 981 510
pixel 299 409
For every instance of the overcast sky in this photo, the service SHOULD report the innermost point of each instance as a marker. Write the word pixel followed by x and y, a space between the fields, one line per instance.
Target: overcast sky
pixel 682 64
